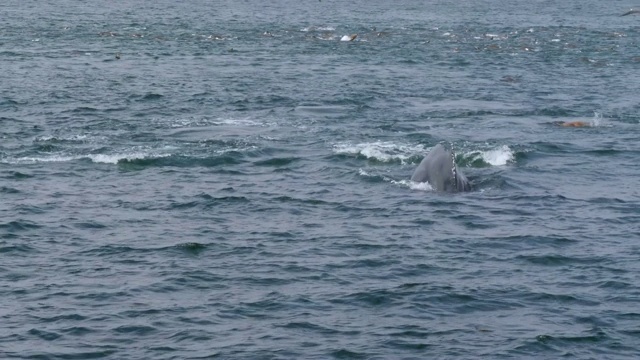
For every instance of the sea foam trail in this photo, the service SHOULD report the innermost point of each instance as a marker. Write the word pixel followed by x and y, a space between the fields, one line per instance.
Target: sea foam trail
pixel 96 158
pixel 380 151
pixel 115 158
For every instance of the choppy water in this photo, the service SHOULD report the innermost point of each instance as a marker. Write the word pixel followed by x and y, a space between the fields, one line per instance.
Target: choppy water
pixel 236 185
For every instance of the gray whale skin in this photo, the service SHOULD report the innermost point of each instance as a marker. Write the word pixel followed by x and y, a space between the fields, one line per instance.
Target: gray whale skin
pixel 439 169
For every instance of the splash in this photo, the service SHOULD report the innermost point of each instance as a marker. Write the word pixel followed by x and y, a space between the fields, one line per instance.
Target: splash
pixel 598 120
pixel 496 157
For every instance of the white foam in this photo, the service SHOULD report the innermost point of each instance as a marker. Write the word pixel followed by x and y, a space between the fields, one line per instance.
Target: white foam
pixel 598 120
pixel 180 123
pixel 239 122
pixel 497 157
pixel 96 158
pixel 33 160
pixel 115 158
pixel 234 149
pixel 44 138
pixel 318 28
pixel 421 186
pixel 381 151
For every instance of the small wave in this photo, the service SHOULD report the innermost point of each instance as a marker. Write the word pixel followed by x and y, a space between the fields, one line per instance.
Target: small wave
pixel 373 178
pixel 152 96
pixel 67 138
pixel 96 158
pixel 84 109
pixel 578 339
pixel 276 162
pixel 28 209
pixel 180 123
pixel 16 175
pixel 44 335
pixel 116 158
pixel 98 354
pixel 33 160
pixel 139 330
pixel 14 248
pixel 192 248
pixel 9 190
pixel 380 151
pixel 78 331
pixel 348 354
pixel 302 201
pixel 208 201
pixel 89 225
pixel 227 158
pixel 18 226
pixel 557 260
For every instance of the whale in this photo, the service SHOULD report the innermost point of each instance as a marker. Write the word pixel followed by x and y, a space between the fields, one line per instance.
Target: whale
pixel 439 169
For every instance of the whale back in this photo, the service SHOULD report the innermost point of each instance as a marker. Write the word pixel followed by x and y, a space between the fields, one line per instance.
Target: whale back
pixel 439 169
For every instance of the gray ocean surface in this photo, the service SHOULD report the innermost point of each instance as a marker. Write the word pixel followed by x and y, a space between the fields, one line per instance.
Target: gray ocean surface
pixel 237 184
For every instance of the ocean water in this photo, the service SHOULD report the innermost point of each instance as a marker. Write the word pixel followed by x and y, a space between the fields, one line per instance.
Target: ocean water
pixel 237 183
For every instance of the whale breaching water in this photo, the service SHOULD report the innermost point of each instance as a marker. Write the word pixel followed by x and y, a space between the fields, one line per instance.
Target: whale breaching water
pixel 439 169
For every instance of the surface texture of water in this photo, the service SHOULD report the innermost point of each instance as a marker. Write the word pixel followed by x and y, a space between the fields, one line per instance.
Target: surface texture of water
pixel 236 185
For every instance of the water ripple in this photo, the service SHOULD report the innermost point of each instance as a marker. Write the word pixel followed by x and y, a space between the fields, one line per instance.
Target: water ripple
pixel 179 182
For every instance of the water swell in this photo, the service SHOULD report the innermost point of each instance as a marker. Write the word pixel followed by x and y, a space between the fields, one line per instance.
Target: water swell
pixel 231 158
pixel 240 189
